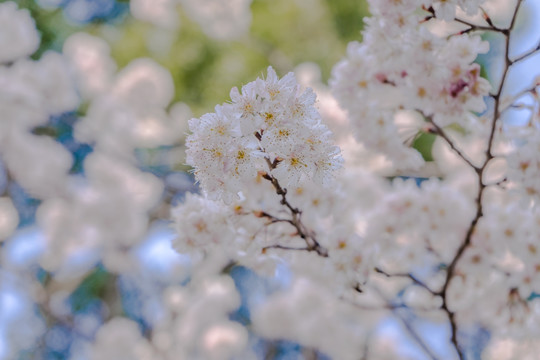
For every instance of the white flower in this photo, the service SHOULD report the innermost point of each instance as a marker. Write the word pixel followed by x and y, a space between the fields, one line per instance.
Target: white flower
pixel 202 225
pixel 121 338
pixel 411 221
pixel 90 59
pixel 19 37
pixel 309 315
pixel 271 126
pixel 524 168
pixel 407 68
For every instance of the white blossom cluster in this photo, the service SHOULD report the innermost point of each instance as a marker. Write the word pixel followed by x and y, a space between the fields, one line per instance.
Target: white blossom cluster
pixel 415 225
pixel 502 265
pixel 127 110
pixel 524 167
pixel 198 326
pixel 246 230
pixel 106 211
pixel 325 316
pixel 202 224
pixel 23 39
pixel 194 326
pixel 270 126
pixel 271 134
pixel 72 213
pixel 402 74
pixel 30 92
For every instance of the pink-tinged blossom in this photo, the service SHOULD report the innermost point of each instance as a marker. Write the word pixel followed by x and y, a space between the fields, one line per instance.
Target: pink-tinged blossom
pixel 402 65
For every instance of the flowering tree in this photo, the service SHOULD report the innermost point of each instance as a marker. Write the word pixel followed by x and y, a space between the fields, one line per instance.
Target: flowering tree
pixel 409 191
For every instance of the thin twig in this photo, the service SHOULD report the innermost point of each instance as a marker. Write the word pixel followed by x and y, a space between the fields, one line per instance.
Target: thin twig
pixel 530 90
pixel 295 220
pixel 527 54
pixel 303 232
pixel 439 131
pixel 412 332
pixel 278 246
pixel 410 276
pixel 475 27
pixel 414 335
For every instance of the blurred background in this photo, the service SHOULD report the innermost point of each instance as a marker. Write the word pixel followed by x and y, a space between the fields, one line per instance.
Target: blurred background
pixel 204 64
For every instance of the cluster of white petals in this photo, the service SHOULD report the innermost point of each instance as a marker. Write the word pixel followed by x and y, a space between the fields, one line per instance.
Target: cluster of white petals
pixel 412 224
pixel 127 109
pixel 310 315
pixel 197 324
pixel 30 93
pixel 524 167
pixel 203 224
pixel 98 217
pixel 270 126
pixel 20 37
pixel 402 76
pixel 507 239
pixel 121 338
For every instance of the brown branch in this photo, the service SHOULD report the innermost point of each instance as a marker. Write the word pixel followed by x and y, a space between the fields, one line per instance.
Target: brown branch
pixel 302 231
pixel 278 246
pixel 527 54
pixel 512 103
pixel 272 219
pixel 481 187
pixel 295 220
pixel 475 27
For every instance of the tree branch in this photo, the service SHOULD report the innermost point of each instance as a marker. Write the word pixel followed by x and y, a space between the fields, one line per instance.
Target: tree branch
pixel 527 54
pixel 410 276
pixel 295 220
pixel 481 187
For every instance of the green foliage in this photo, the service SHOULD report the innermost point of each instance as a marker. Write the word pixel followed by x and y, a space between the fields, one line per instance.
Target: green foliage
pixel 424 144
pixel 348 17
pixel 283 34
pixel 95 286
